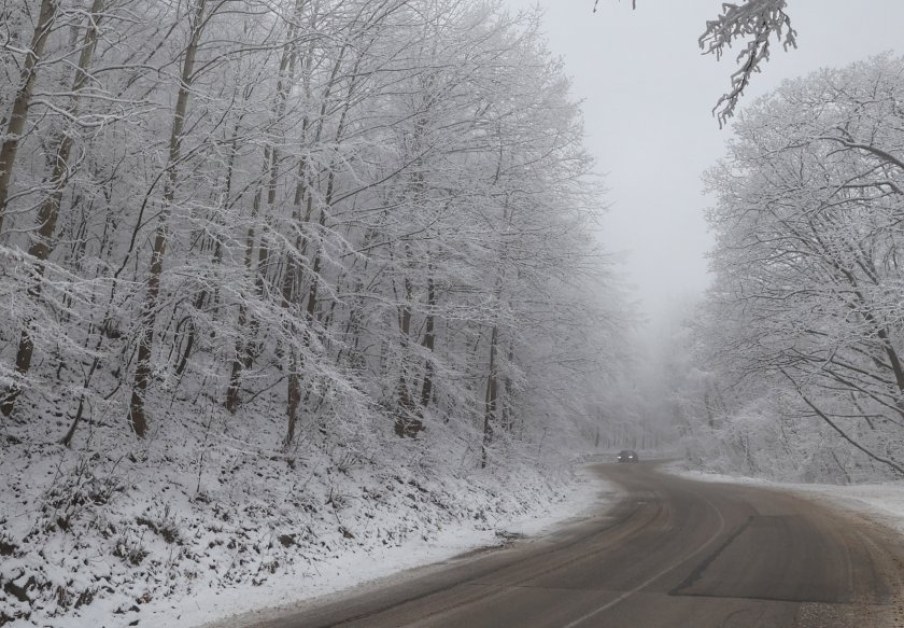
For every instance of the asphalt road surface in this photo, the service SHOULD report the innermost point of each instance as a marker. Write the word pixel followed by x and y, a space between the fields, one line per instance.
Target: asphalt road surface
pixel 671 553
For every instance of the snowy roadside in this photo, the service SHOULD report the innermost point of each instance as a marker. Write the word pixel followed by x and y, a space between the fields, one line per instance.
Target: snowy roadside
pixel 234 607
pixel 239 606
pixel 143 539
pixel 882 502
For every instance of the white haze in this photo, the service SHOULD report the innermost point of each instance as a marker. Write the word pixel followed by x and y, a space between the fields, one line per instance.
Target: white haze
pixel 648 93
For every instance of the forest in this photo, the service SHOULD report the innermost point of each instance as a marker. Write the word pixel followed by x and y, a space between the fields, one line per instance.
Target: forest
pixel 267 258
pixel 793 364
pixel 285 280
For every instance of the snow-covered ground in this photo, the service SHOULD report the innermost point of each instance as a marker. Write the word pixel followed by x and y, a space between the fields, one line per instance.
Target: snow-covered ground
pixel 246 552
pixel 236 607
pixel 144 540
pixel 882 502
pixel 231 608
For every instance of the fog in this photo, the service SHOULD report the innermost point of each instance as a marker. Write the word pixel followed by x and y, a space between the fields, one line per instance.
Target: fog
pixel 648 95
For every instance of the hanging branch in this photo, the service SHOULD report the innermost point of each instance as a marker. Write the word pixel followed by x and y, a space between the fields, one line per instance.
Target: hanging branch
pixel 754 21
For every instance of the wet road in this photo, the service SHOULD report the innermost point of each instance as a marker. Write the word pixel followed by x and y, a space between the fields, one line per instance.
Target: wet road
pixel 671 553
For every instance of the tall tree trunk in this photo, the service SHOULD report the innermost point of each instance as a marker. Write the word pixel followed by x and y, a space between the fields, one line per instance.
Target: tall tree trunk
pixel 293 382
pixel 428 344
pixel 218 246
pixel 48 213
pixel 242 359
pixel 19 114
pixel 407 423
pixel 489 416
pixel 270 171
pixel 143 369
pixel 505 406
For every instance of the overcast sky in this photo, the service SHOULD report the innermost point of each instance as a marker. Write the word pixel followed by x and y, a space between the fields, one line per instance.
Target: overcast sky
pixel 648 96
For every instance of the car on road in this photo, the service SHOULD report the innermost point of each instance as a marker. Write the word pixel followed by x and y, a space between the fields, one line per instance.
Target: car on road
pixel 628 455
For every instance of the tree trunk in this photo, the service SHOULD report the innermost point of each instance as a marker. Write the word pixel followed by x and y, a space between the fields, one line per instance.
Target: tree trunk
pixel 407 423
pixel 269 174
pixel 489 416
pixel 19 114
pixel 429 341
pixel 506 419
pixel 143 368
pixel 218 248
pixel 242 359
pixel 48 213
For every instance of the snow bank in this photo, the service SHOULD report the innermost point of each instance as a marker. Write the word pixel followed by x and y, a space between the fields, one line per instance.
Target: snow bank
pixel 175 534
pixel 882 502
pixel 583 494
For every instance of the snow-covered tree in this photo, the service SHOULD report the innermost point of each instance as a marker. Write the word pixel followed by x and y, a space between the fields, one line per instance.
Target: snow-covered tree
pixel 808 232
pixel 286 235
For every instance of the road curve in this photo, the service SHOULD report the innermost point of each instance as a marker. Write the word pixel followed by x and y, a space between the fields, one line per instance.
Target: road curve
pixel 671 553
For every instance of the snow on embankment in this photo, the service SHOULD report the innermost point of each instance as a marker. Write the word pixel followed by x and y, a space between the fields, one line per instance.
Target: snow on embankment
pixel 880 501
pixel 167 536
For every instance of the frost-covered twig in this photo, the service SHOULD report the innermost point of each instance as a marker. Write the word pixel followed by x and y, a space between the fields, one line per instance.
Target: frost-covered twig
pixel 754 21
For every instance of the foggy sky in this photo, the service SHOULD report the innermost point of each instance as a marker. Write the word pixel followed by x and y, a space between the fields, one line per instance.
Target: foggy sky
pixel 648 94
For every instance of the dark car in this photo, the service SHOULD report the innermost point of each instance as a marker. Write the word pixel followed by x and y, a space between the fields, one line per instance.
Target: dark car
pixel 626 455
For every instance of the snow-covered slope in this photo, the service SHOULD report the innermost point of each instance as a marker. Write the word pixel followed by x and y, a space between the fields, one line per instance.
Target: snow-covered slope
pixel 176 533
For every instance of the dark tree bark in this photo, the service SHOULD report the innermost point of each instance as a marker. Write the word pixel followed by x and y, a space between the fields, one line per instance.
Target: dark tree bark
pixel 143 369
pixel 489 415
pixel 48 212
pixel 19 114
